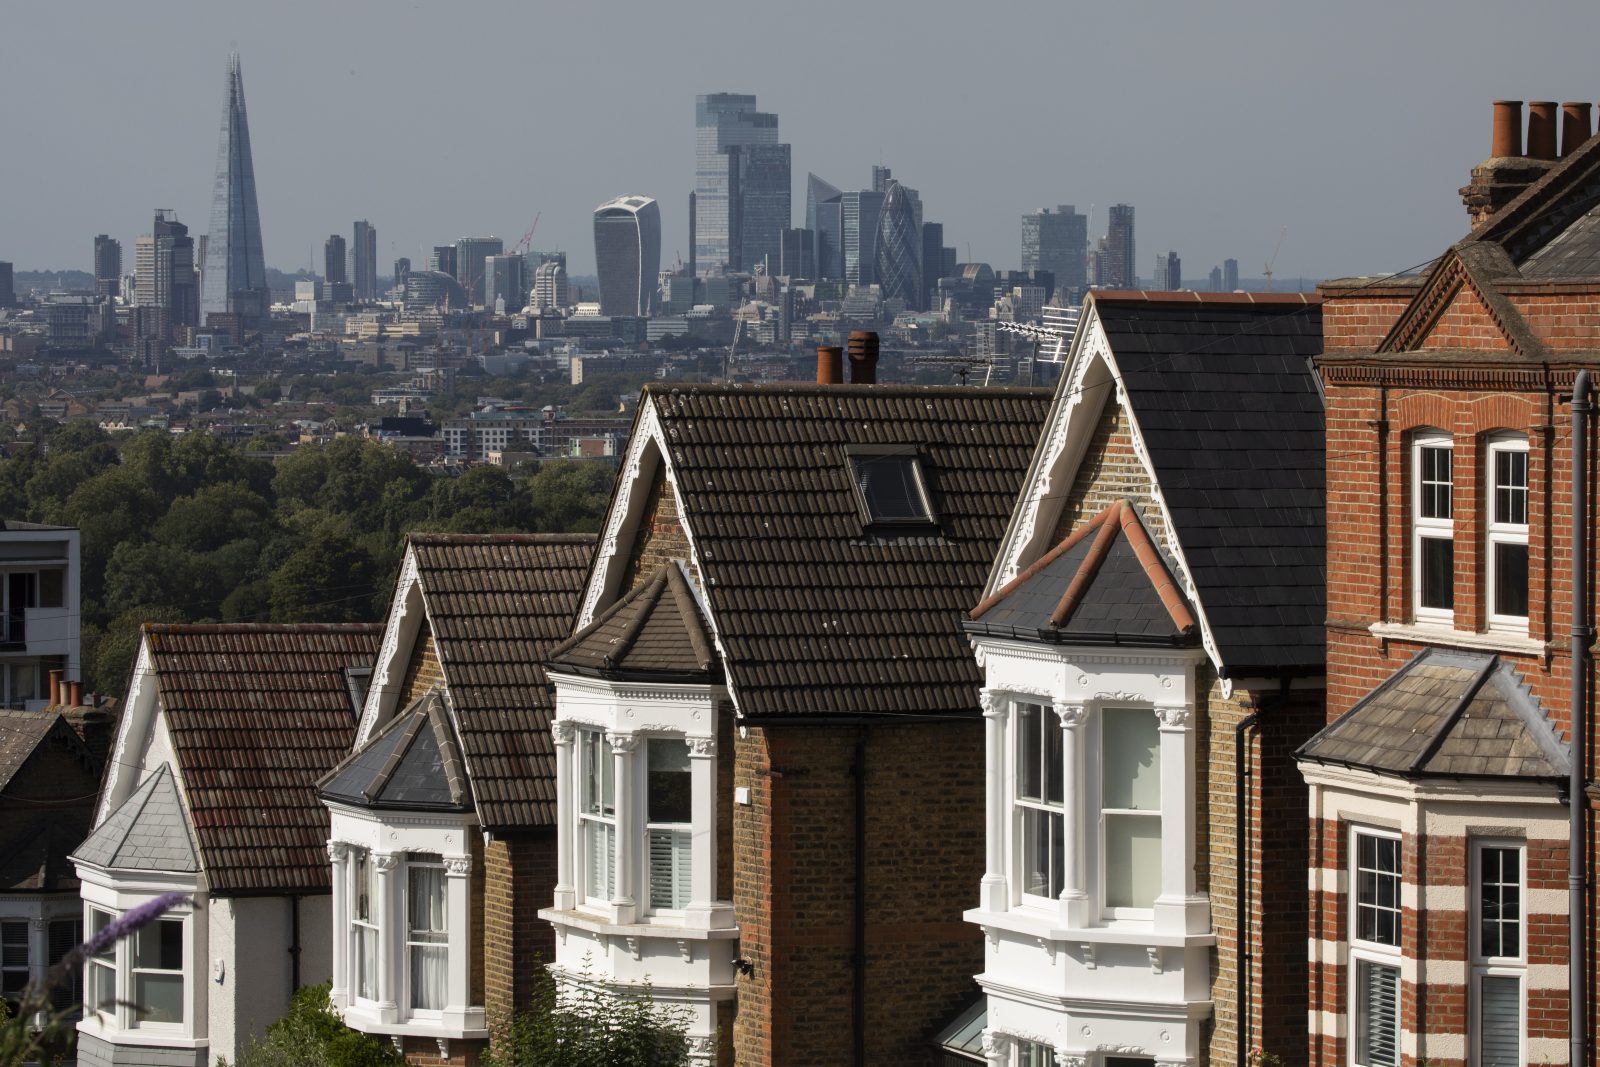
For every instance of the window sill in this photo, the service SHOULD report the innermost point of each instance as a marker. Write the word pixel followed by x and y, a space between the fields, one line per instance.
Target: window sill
pixel 1120 932
pixel 1441 635
pixel 595 924
pixel 368 1020
pixel 115 1035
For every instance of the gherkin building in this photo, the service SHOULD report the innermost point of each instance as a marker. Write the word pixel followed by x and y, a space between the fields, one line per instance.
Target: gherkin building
pixel 899 267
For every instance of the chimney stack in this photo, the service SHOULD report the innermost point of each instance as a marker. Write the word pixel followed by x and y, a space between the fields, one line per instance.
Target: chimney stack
pixel 1510 169
pixel 863 357
pixel 830 365
pixel 1576 127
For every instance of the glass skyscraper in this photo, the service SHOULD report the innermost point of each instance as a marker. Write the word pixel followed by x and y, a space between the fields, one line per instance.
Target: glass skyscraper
pixel 825 221
pixel 759 187
pixel 627 254
pixel 471 254
pixel 859 213
pixel 1057 242
pixel 899 248
pixel 722 122
pixel 235 278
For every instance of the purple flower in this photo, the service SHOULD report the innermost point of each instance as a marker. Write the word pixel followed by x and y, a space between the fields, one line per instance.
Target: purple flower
pixel 120 928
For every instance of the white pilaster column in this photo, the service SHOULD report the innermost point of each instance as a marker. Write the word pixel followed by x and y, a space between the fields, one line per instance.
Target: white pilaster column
pixel 624 747
pixel 458 923
pixel 339 859
pixel 38 954
pixel 992 892
pixel 1074 887
pixel 391 933
pixel 1178 909
pixel 563 733
pixel 702 909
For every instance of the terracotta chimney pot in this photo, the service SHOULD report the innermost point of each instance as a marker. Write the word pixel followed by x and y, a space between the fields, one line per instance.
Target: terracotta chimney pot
pixel 57 697
pixel 830 365
pixel 1576 126
pixel 1507 129
pixel 75 694
pixel 1542 129
pixel 863 357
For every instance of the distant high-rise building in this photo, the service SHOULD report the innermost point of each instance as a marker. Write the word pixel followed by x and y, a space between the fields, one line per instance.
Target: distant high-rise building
pixel 107 266
pixel 443 259
pixel 333 260
pixel 235 269
pixel 1057 242
pixel 898 254
pixel 1214 281
pixel 932 260
pixel 881 177
pixel 859 213
pixel 402 267
pixel 796 260
pixel 627 254
pixel 722 122
pixel 758 189
pixel 825 220
pixel 1230 275
pixel 471 252
pixel 1168 273
pixel 1117 257
pixel 166 286
pixel 550 290
pixel 504 280
pixel 8 286
pixel 364 261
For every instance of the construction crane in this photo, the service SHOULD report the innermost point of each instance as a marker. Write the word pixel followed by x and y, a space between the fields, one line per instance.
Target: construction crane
pixel 1267 270
pixel 527 238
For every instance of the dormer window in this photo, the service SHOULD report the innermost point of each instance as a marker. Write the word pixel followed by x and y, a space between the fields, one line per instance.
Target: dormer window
pixel 891 489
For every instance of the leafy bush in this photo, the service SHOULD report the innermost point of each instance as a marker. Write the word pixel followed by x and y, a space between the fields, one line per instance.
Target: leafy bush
pixel 313 1035
pixel 586 1025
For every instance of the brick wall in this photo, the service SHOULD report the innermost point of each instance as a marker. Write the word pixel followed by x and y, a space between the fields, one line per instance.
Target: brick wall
pixel 423 670
pixel 424 1052
pixel 659 537
pixel 1357 316
pixel 1110 471
pixel 520 878
pixel 1563 317
pixel 794 885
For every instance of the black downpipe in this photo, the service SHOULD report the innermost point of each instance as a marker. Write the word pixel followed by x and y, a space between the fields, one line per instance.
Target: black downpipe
pixel 858 958
pixel 294 946
pixel 1577 798
pixel 1241 878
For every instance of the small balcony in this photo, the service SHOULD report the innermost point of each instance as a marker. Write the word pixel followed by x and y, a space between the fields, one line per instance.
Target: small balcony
pixel 36 631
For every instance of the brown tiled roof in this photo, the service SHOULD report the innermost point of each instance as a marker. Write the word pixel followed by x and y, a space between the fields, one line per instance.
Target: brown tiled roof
pixel 498 604
pixel 656 631
pixel 818 613
pixel 1445 714
pixel 257 713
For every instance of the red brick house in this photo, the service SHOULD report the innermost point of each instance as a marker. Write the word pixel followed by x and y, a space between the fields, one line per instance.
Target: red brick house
pixel 1440 806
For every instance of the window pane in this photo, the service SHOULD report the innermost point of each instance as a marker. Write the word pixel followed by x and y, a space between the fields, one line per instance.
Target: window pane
pixel 1438 570
pixel 1034 1054
pixel 1499 1021
pixel 889 487
pixel 1051 744
pixel 1377 1009
pixel 158 998
pixel 1500 902
pixel 1029 758
pixel 1133 860
pixel 1511 487
pixel 428 964
pixel 1043 852
pixel 65 935
pixel 367 963
pixel 670 866
pixel 599 842
pixel 1378 889
pixel 98 921
pixel 1435 495
pixel 1131 760
pixel 668 787
pixel 1510 579
pixel 102 986
pixel 159 946
pixel 426 904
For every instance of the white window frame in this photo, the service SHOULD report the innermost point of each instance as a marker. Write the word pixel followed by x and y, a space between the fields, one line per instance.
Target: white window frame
pixel 418 862
pixel 361 861
pixel 1430 527
pixel 1045 810
pixel 1373 953
pixel 1026 1052
pixel 1100 811
pixel 1499 531
pixel 683 833
pixel 131 991
pixel 122 1013
pixel 595 744
pixel 105 961
pixel 1482 964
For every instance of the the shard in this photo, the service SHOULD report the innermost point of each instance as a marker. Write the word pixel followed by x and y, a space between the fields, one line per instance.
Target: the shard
pixel 235 277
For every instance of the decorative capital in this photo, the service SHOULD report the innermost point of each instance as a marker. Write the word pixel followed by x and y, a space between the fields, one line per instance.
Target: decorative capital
pixel 702 746
pixel 38 922
pixel 995 1044
pixel 1175 718
pixel 1071 715
pixel 991 703
pixel 563 731
pixel 458 865
pixel 337 850
pixel 621 742
pixel 385 861
pixel 1069 1059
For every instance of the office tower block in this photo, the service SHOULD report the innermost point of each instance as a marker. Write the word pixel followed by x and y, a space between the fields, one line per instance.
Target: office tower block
pixel 825 220
pixel 881 177
pixel 333 260
pixel 1116 258
pixel 1230 275
pixel 107 266
pixel 758 190
pixel 8 286
pixel 722 122
pixel 402 267
pixel 505 288
pixel 471 252
pixel 795 259
pixel 1168 273
pixel 1057 242
pixel 550 290
pixel 1214 280
pixel 932 260
pixel 364 261
pixel 859 212
pixel 627 254
pixel 898 255
pixel 443 259
pixel 235 269
pixel 167 278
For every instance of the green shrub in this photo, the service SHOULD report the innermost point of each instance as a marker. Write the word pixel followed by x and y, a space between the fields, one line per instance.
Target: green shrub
pixel 313 1035
pixel 586 1025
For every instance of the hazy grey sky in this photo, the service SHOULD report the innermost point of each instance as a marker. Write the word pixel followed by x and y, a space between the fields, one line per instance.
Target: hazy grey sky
pixel 1351 123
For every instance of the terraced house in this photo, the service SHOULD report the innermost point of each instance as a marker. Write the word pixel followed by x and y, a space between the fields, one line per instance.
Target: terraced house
pixel 768 733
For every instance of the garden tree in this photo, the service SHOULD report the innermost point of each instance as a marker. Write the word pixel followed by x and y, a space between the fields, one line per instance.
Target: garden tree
pixel 114 507
pixel 570 496
pixel 331 578
pixel 216 515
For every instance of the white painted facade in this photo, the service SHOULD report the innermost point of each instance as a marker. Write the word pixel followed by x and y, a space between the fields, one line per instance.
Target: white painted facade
pixel 39 601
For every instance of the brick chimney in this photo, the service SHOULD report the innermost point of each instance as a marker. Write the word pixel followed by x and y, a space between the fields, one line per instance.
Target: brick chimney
pixel 863 357
pixel 1499 179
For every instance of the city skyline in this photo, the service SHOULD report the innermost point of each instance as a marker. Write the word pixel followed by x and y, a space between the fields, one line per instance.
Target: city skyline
pixel 978 165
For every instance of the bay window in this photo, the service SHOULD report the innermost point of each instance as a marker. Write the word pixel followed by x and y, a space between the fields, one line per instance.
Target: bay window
pixel 364 924
pixel 141 981
pixel 157 969
pixel 669 803
pixel 1507 530
pixel 1130 808
pixel 1432 527
pixel 1375 948
pixel 427 950
pixel 100 970
pixel 1040 801
pixel 1498 955
pixel 597 816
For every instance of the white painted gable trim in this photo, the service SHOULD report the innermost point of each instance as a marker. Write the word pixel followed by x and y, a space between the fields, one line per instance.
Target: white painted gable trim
pixel 390 671
pixel 1053 469
pixel 605 577
pixel 122 777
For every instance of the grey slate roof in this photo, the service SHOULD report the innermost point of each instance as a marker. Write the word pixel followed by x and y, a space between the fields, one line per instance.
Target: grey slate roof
pixel 1102 586
pixel 497 604
pixel 1223 391
pixel 147 833
pixel 1445 714
pixel 654 632
pixel 817 614
pixel 20 733
pixel 412 764
pixel 46 804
